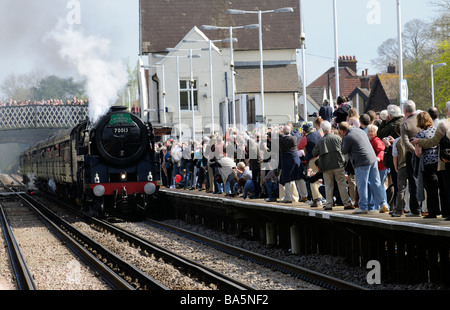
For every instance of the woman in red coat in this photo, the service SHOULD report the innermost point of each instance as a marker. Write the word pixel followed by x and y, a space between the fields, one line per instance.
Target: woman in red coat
pixel 378 146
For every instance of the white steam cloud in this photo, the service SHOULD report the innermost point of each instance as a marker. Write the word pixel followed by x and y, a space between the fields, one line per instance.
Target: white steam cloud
pixel 88 53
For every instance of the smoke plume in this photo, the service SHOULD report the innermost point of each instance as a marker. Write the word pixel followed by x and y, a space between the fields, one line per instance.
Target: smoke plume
pixel 87 54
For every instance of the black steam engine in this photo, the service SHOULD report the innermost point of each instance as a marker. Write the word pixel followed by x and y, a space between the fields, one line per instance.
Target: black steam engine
pixel 107 168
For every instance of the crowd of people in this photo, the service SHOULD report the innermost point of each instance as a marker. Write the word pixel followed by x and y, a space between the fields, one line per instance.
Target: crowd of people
pixel 52 102
pixel 394 162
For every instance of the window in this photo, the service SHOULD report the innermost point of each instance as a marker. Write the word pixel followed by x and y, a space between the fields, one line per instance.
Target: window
pixel 185 96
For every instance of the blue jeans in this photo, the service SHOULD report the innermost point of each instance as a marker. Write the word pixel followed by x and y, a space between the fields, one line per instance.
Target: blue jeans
pixel 229 186
pixel 383 176
pixel 176 170
pixel 270 186
pixel 366 176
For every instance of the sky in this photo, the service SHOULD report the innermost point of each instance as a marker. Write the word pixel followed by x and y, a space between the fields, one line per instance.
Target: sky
pixel 363 25
pixel 27 44
pixel 26 27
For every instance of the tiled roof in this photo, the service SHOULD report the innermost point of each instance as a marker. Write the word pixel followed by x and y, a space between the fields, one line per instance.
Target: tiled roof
pixel 349 80
pixel 277 79
pixel 390 85
pixel 164 23
pixel 316 93
pixel 384 92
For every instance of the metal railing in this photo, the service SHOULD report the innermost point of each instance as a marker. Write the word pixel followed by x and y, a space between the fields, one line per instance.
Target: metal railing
pixel 41 116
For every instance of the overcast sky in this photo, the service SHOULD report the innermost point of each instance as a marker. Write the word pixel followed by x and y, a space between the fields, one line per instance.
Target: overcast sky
pixel 24 26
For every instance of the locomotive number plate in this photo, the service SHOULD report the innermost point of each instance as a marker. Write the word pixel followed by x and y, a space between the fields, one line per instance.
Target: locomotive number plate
pixel 119 130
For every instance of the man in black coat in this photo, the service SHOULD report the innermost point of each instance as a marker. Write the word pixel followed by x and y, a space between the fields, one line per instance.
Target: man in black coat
pixel 290 164
pixel 326 112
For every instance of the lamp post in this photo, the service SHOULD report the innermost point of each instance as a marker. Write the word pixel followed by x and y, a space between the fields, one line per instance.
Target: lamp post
pixel 400 51
pixel 164 87
pixel 442 64
pixel 210 45
pixel 231 40
pixel 191 84
pixel 178 81
pixel 303 48
pixel 336 50
pixel 240 12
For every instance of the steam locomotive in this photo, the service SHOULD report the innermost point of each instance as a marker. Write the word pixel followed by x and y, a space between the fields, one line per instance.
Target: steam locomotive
pixel 109 167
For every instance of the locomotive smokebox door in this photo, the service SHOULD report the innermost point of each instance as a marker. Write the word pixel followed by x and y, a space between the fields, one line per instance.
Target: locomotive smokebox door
pixel 121 138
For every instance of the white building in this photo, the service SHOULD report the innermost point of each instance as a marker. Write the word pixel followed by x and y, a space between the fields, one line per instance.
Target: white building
pixel 169 88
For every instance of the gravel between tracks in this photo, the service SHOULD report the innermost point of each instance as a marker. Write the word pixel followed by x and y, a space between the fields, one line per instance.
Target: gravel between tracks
pixel 53 265
pixel 326 264
pixel 257 276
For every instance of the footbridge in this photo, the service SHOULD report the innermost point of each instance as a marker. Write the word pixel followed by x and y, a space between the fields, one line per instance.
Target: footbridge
pixel 32 123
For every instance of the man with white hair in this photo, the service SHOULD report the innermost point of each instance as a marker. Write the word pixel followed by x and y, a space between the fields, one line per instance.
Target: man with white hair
pixel 409 130
pixel 387 126
pixel 332 163
pixel 441 137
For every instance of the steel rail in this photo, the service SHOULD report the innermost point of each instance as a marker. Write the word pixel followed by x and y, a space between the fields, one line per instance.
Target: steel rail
pixel 207 274
pixel 24 277
pixel 191 267
pixel 95 254
pixel 304 274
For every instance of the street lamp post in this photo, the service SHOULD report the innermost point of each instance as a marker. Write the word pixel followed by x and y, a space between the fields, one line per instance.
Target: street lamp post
pixel 336 50
pixel 240 12
pixel 178 81
pixel 303 48
pixel 210 45
pixel 432 78
pixel 400 50
pixel 191 84
pixel 231 40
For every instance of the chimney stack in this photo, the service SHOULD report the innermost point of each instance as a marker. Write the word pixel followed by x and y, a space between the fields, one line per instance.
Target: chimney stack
pixel 391 68
pixel 348 61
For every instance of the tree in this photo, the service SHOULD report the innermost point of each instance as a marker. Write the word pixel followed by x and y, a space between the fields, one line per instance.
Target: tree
pixel 442 77
pixel 18 87
pixel 417 44
pixel 387 54
pixel 127 95
pixel 440 28
pixel 422 46
pixel 417 40
pixel 59 88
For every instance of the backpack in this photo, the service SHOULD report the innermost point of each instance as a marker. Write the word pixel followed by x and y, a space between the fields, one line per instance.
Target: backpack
pixel 388 160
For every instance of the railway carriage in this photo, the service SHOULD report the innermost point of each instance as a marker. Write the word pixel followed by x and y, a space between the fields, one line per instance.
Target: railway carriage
pixel 108 167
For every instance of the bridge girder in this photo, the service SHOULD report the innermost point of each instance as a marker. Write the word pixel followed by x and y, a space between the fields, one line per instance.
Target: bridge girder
pixel 33 123
pixel 29 136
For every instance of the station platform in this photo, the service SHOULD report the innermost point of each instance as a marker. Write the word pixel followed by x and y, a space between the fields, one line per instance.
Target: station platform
pixel 418 224
pixel 410 250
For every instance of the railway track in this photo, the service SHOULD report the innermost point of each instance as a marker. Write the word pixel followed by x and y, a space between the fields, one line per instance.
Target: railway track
pixel 23 275
pixel 37 257
pixel 111 265
pixel 112 269
pixel 304 274
pixel 211 278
